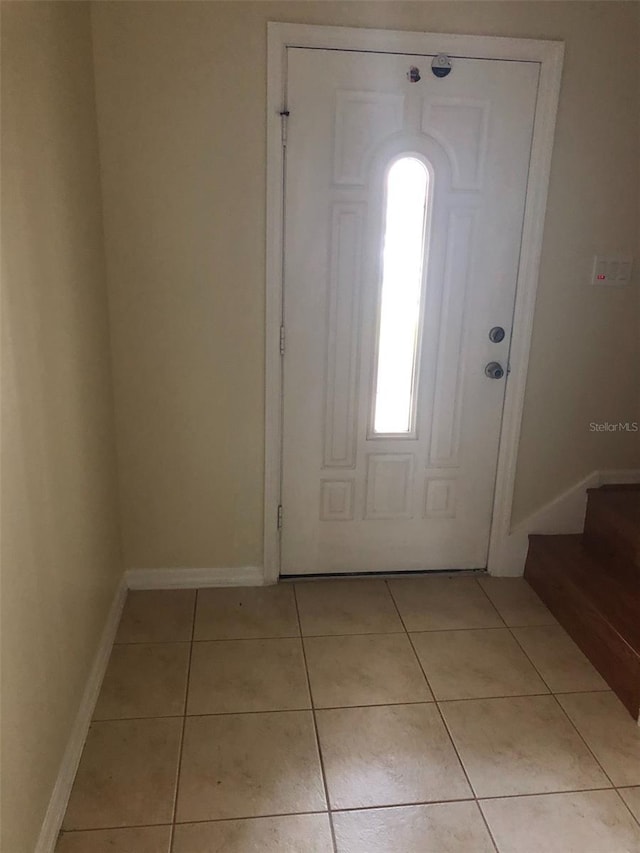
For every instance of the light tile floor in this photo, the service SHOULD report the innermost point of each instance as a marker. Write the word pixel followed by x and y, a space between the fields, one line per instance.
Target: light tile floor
pixel 439 715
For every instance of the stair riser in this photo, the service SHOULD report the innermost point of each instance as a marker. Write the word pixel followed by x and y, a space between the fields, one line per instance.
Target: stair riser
pixel 611 655
pixel 610 533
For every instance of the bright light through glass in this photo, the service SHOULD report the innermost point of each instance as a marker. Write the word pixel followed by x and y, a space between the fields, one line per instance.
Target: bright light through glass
pixel 403 252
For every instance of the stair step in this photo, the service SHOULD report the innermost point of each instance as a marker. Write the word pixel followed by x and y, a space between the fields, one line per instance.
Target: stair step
pixel 612 524
pixel 596 604
pixel 616 487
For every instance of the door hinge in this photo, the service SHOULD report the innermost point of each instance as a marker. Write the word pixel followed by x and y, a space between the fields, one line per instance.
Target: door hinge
pixel 284 117
pixel 279 516
pixel 281 340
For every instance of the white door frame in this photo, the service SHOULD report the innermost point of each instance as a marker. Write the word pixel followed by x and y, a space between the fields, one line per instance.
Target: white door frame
pixel 549 54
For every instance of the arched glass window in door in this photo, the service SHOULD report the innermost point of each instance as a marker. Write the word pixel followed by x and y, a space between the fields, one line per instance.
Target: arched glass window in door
pixel 407 195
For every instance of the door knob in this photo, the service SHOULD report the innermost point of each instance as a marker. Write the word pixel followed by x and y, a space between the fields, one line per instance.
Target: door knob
pixel 494 370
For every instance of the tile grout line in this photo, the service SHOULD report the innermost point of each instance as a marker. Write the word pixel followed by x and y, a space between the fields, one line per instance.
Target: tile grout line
pixel 491 602
pixel 315 725
pixel 486 824
pixel 510 628
pixel 184 725
pixel 528 657
pixel 408 635
pixel 470 799
pixel 626 804
pixel 533 664
pixel 443 721
pixel 581 736
pixel 196 641
pixel 275 710
pixel 473 798
pixel 555 793
pixel 554 695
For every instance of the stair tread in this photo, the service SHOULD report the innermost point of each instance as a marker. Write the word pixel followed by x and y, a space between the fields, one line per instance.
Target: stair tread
pixel 631 491
pixel 615 594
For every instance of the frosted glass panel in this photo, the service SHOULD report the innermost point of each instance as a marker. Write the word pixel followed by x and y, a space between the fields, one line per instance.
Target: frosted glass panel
pixel 403 253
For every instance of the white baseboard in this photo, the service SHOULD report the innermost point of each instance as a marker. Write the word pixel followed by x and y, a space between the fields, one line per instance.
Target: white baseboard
pixel 194 578
pixel 132 579
pixel 62 789
pixel 564 514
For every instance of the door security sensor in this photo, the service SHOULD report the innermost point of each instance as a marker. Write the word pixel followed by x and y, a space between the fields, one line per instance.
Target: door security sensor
pixel 441 65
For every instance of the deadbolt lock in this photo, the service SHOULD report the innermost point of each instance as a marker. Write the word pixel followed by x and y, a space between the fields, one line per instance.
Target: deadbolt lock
pixel 496 334
pixel 494 370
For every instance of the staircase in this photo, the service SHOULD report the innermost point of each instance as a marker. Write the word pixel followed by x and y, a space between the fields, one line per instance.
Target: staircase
pixel 591 583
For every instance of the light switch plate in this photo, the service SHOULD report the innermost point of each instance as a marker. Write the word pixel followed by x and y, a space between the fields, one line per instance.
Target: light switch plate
pixel 612 270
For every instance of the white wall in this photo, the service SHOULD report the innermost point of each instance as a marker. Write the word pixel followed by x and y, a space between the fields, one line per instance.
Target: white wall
pixel 61 556
pixel 181 109
pixel 180 89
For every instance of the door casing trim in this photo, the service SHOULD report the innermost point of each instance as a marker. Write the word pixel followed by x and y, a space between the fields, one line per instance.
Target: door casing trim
pixel 549 55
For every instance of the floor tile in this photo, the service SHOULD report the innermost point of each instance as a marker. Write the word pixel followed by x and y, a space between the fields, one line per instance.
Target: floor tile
pixel 245 765
pixel 520 746
pixel 558 660
pixel 127 774
pixel 388 755
pixel 145 839
pixel 247 675
pixel 438 828
pixel 144 680
pixel 586 822
pixel 157 616
pixel 371 669
pixel 346 607
pixel 476 664
pixel 610 731
pixel 304 833
pixel 631 796
pixel 516 602
pixel 246 613
pixel 443 603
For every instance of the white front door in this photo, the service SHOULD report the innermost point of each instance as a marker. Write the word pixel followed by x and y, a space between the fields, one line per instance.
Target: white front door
pixel 404 203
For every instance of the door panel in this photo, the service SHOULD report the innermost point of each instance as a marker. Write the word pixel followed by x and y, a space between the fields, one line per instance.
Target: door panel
pixel 354 500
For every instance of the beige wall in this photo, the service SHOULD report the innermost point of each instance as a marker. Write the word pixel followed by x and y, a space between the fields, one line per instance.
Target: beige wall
pixel 180 96
pixel 181 108
pixel 60 547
